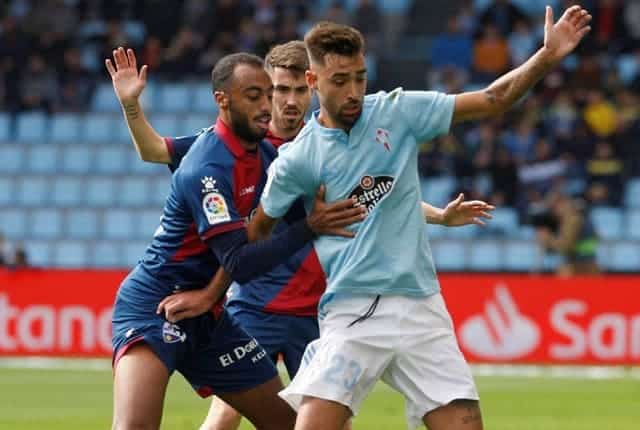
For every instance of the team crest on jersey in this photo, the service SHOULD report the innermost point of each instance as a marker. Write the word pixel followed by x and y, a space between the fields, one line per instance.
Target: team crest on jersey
pixel 172 333
pixel 371 190
pixel 382 137
pixel 215 208
pixel 209 184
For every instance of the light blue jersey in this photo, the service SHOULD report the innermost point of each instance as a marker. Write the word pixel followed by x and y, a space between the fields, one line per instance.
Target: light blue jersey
pixel 375 163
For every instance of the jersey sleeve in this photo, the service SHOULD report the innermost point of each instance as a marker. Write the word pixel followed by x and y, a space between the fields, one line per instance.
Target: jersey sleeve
pixel 428 113
pixel 178 148
pixel 289 177
pixel 208 196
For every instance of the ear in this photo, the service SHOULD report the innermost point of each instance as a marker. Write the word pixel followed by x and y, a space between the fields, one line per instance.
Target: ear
pixel 222 100
pixel 312 79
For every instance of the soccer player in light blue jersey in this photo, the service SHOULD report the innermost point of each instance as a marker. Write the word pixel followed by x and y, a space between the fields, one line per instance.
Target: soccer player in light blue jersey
pixel 382 315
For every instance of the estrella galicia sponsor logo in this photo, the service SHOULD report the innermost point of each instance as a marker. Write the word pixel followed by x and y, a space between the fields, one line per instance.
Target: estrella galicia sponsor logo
pixel 172 333
pixel 371 190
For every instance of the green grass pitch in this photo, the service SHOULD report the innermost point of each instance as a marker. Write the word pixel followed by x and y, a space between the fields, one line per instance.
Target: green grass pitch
pixel 74 400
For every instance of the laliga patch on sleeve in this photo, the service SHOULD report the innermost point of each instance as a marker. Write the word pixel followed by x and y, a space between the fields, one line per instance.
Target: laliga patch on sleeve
pixel 215 208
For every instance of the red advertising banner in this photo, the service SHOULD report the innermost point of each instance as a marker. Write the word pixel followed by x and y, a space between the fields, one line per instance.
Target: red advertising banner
pixel 498 318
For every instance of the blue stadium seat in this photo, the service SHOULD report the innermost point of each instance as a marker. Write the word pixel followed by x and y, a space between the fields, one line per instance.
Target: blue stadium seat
pixel 77 159
pixel 203 101
pixel 140 167
pixel 504 222
pixel 104 99
pixel 449 255
pixel 118 224
pixel 45 224
pixel 65 128
pixel 633 225
pixel 603 255
pixel 465 232
pixel 394 6
pixel 121 132
pixel 6 192
pixel 437 191
pixel 173 98
pixel 99 128
pixel 608 222
pixel 33 191
pixel 625 257
pixel 147 222
pixel 525 232
pixel 71 253
pixel 81 224
pixel 485 255
pixel 38 252
pixel 133 252
pixel 632 193
pixel 134 192
pixel 31 127
pixel 159 190
pixel 42 159
pixel 192 124
pixel 68 191
pixel 165 124
pixel 5 127
pixel 112 160
pixel 13 223
pixel 436 231
pixel 101 192
pixel 522 256
pixel 13 158
pixel 107 254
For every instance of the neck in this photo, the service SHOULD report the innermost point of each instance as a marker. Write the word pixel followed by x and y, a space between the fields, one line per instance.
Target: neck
pixel 284 133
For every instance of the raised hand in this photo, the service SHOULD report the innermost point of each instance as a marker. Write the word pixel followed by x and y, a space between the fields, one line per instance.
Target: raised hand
pixel 562 37
pixel 458 212
pixel 332 218
pixel 128 83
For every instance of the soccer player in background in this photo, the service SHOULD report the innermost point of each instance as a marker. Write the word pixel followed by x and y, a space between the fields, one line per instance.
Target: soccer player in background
pixel 201 230
pixel 382 315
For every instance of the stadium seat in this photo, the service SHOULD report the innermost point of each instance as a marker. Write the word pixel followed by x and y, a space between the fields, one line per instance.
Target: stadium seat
pixel 603 255
pixel 449 255
pixel 13 158
pixel 174 98
pixel 203 101
pixel 485 255
pixel 81 224
pixel 65 128
pixel 101 192
pixel 465 232
pixel 42 159
pixel 139 167
pixel 68 191
pixel 608 222
pixel 625 257
pixel 117 224
pixel 13 223
pixel 6 192
pixel 45 224
pixel 107 254
pixel 146 223
pixel 70 253
pixel 104 99
pixel 165 124
pixel 99 128
pixel 133 252
pixel 192 124
pixel 31 127
pixel 521 256
pixel 5 127
pixel 435 231
pixel 504 222
pixel 526 232
pixel 77 159
pixel 160 186
pixel 112 160
pixel 437 190
pixel 632 193
pixel 33 191
pixel 134 192
pixel 633 225
pixel 38 252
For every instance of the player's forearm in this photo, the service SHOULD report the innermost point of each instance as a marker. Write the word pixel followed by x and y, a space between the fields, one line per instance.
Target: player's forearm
pixel 505 91
pixel 432 214
pixel 148 143
pixel 218 286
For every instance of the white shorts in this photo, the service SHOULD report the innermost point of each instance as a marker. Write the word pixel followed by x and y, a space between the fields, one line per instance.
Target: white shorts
pixel 408 342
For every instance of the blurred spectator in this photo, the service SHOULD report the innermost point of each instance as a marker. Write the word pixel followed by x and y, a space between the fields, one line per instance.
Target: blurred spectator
pixel 181 54
pixel 3 251
pixel 600 115
pixel 490 55
pixel 336 13
pixel 520 142
pixel 452 48
pixel 631 15
pixel 20 259
pixel 368 20
pixel 608 25
pixel 76 83
pixel 504 179
pixel 39 87
pixel 502 14
pixel 544 172
pixel 522 43
pixel 605 172
pixel 569 233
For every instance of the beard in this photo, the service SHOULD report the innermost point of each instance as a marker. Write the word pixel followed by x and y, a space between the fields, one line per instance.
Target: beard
pixel 241 126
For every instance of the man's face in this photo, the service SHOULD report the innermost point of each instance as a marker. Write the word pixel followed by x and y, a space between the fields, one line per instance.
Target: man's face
pixel 291 98
pixel 341 84
pixel 249 102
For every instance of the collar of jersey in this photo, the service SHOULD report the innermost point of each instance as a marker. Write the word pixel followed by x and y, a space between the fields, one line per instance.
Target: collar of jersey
pixel 336 133
pixel 231 140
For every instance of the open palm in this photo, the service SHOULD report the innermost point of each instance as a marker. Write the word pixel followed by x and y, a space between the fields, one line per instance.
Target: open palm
pixel 459 212
pixel 562 37
pixel 128 83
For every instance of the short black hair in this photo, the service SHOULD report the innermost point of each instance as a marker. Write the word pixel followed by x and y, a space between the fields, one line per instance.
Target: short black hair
pixel 223 70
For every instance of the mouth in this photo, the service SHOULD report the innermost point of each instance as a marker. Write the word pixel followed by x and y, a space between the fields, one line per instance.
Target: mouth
pixel 291 113
pixel 263 122
pixel 352 111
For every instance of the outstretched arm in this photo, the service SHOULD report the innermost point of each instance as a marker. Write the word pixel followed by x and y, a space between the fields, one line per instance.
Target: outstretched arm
pixel 458 212
pixel 128 84
pixel 560 39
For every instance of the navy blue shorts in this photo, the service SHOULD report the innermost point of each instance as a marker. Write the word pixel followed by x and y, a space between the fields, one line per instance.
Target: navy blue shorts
pixel 278 334
pixel 214 355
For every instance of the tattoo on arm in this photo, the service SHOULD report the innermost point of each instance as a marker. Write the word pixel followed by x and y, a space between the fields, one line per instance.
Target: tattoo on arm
pixel 131 111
